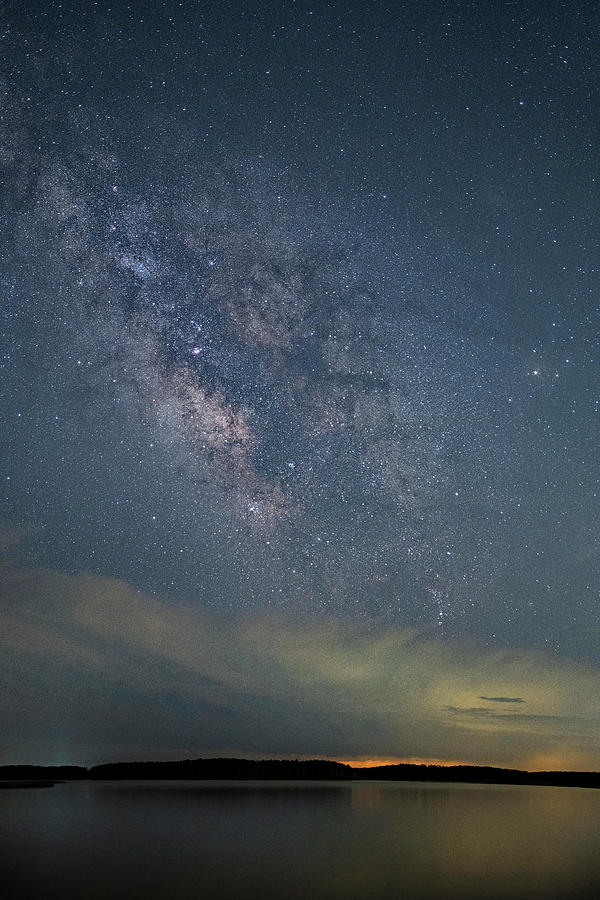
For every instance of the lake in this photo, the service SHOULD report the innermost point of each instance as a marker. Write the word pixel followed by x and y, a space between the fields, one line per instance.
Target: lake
pixel 244 840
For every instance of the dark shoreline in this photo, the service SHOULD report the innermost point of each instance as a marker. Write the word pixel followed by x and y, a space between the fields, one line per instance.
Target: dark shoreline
pixel 7 784
pixel 286 770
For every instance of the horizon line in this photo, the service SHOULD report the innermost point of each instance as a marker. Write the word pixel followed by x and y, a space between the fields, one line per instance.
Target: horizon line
pixel 355 764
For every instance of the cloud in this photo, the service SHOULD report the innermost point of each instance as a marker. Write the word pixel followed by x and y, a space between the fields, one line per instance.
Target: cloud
pixel 503 699
pixel 101 670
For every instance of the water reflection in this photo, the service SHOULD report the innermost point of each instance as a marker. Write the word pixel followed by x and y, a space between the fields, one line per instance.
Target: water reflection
pixel 311 840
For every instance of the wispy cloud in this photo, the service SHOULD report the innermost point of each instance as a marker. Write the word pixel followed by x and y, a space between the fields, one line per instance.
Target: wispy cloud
pixel 503 699
pixel 102 670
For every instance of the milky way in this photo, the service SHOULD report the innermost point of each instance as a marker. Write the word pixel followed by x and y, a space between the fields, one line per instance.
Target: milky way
pixel 232 384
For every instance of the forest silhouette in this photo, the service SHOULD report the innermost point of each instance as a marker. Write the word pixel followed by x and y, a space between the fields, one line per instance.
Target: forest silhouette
pixel 290 769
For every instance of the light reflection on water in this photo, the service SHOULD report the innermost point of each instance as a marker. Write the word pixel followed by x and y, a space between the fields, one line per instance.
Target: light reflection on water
pixel 247 840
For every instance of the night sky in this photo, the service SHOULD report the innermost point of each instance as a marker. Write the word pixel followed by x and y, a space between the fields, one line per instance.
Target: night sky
pixel 300 380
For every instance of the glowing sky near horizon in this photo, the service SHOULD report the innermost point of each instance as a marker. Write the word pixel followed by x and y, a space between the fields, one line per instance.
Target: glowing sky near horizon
pixel 300 318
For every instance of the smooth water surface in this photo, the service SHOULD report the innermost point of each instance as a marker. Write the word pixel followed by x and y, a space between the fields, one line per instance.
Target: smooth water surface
pixel 246 840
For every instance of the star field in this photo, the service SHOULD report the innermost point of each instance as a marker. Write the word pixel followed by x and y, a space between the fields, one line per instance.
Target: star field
pixel 300 309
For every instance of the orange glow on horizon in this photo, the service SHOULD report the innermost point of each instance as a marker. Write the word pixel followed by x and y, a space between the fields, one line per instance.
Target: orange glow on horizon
pixel 395 761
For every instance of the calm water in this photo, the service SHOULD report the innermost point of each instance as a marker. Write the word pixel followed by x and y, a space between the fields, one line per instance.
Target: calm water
pixel 240 841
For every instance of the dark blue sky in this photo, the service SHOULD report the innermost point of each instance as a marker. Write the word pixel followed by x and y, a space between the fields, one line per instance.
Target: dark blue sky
pixel 300 319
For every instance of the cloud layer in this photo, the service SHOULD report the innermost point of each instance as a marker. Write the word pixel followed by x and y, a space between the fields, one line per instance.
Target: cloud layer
pixel 94 665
